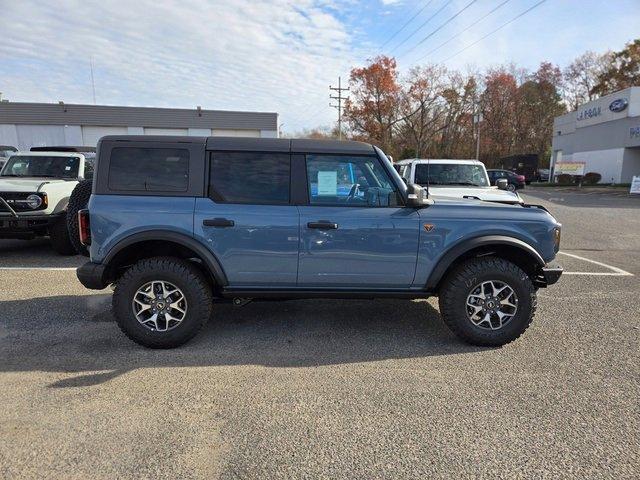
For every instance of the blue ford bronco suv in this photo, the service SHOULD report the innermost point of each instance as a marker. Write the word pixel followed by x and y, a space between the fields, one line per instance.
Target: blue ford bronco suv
pixel 177 224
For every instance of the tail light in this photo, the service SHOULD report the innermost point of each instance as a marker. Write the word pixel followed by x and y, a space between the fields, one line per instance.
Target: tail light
pixel 521 178
pixel 84 227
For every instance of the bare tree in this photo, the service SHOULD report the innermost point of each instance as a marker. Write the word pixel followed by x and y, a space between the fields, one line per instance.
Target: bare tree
pixel 582 75
pixel 423 106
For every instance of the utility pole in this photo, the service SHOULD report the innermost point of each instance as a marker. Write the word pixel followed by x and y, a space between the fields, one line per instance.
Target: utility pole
pixel 339 98
pixel 93 83
pixel 477 118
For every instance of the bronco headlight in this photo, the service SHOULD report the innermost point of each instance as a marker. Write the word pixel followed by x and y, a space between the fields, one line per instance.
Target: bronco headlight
pixel 33 201
pixel 556 237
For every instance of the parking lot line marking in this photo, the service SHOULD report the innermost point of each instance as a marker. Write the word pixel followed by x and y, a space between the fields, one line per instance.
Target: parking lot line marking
pixel 53 269
pixel 617 272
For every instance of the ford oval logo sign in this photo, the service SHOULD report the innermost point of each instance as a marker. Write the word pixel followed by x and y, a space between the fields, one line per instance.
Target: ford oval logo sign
pixel 618 105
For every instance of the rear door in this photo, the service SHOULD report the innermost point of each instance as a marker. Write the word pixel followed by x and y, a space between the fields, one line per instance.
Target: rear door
pixel 355 231
pixel 247 220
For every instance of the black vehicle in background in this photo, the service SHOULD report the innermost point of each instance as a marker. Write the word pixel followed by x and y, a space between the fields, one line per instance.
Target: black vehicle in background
pixel 514 181
pixel 526 165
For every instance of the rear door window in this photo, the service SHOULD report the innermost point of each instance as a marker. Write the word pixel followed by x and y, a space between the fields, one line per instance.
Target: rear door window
pixel 149 169
pixel 250 177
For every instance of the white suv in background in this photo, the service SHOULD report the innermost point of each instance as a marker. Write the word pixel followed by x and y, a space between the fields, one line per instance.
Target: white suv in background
pixel 455 178
pixel 34 193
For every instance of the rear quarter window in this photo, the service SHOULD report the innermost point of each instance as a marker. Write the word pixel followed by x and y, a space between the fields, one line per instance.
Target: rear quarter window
pixel 149 169
pixel 250 177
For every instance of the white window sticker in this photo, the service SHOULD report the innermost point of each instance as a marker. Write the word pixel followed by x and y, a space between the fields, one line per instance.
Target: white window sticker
pixel 67 168
pixel 328 183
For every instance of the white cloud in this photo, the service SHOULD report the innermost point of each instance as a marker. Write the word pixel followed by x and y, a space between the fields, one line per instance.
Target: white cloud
pixel 243 54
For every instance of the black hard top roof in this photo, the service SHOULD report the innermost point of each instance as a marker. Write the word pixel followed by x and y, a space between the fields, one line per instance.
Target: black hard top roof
pixel 63 148
pixel 255 144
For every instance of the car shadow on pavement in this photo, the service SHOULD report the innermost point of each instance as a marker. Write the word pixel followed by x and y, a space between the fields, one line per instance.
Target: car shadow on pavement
pixel 69 334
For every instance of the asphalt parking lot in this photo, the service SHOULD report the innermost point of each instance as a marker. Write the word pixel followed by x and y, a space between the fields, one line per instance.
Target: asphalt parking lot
pixel 331 389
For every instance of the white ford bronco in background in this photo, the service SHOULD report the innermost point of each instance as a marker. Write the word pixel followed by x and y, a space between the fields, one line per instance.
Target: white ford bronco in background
pixel 455 178
pixel 34 194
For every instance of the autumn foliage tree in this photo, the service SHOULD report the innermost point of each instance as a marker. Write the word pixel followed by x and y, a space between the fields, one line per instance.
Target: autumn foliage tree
pixel 622 72
pixel 429 111
pixel 373 110
pixel 498 105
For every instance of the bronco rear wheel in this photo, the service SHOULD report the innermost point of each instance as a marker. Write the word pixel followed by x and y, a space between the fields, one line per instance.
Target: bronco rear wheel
pixel 162 302
pixel 487 301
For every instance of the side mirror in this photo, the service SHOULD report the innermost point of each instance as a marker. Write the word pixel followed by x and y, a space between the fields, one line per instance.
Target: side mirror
pixel 502 183
pixel 417 196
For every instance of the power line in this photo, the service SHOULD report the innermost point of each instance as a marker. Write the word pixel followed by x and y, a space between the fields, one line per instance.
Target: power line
pixel 464 30
pixel 339 98
pixel 441 26
pixel 407 23
pixel 494 31
pixel 421 26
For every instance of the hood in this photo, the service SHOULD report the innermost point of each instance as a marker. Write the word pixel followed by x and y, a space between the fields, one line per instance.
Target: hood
pixel 488 194
pixel 28 184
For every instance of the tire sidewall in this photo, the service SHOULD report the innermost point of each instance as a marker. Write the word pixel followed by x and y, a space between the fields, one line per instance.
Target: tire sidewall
pixel 78 200
pixel 521 285
pixel 190 325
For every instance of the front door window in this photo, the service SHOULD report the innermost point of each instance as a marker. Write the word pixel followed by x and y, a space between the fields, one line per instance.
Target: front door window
pixel 349 181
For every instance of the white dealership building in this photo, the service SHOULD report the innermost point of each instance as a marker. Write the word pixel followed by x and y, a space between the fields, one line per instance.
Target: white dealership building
pixel 26 125
pixel 604 134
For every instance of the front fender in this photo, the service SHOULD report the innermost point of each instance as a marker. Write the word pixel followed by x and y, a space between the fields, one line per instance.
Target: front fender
pixel 464 246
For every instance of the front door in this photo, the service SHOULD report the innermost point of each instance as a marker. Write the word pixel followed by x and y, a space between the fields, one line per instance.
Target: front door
pixel 247 221
pixel 355 232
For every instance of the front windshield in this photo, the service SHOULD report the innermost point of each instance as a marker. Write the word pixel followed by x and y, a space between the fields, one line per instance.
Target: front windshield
pixel 451 174
pixel 41 166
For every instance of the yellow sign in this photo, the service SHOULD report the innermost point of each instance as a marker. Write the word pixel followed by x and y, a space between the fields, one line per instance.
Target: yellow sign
pixel 570 168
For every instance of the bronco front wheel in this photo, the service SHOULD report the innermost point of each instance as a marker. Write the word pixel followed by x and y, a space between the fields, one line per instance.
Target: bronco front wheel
pixel 162 302
pixel 487 301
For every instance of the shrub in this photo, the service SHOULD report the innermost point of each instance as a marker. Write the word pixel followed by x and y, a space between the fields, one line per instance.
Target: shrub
pixel 565 179
pixel 591 178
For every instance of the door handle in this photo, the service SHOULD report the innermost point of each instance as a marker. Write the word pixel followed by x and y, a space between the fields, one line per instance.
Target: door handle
pixel 323 225
pixel 218 222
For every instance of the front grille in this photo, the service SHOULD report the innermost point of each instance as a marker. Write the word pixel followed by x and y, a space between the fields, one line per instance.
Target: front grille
pixel 10 198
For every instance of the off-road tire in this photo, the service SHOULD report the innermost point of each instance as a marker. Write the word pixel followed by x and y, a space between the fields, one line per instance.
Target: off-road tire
pixel 511 187
pixel 78 200
pixel 59 236
pixel 184 275
pixel 459 283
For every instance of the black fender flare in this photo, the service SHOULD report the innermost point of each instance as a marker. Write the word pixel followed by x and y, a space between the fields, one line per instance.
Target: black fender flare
pixel 209 259
pixel 464 246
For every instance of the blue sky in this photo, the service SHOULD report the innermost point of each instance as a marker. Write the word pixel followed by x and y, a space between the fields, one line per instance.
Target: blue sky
pixel 277 55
